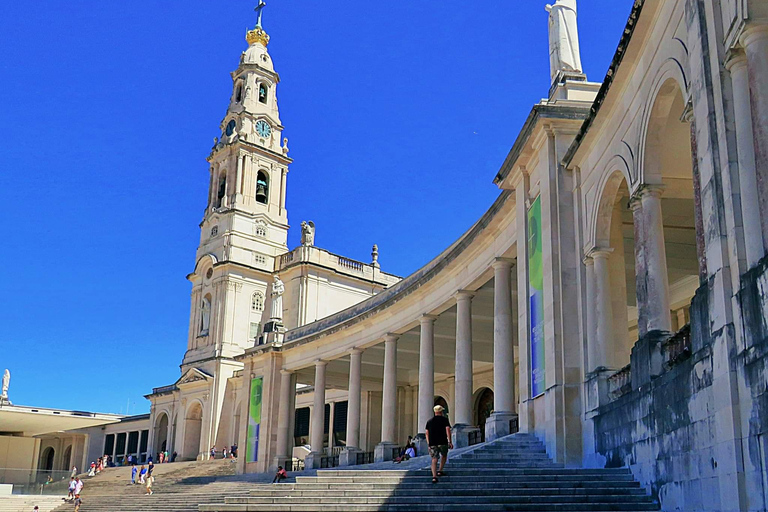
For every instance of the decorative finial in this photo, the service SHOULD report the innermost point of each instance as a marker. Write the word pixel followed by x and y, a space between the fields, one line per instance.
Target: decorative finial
pixel 258 35
pixel 375 256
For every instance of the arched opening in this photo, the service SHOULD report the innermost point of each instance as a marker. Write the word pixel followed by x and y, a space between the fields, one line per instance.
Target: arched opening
pixel 263 93
pixel 192 430
pixel 239 93
pixel 669 162
pixel 262 187
pixel 222 191
pixel 66 461
pixel 161 433
pixel 616 233
pixel 46 460
pixel 483 409
pixel 442 401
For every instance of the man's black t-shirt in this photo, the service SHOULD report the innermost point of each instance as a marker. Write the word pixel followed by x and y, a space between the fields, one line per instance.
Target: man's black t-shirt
pixel 436 428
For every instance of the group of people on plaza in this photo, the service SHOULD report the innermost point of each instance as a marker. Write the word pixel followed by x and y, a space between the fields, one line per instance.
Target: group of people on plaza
pixel 145 475
pixel 225 452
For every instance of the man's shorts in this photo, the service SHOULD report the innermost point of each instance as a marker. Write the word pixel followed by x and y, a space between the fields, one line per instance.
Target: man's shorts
pixel 436 451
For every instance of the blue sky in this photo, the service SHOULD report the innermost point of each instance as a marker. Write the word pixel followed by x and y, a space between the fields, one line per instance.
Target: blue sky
pixel 398 114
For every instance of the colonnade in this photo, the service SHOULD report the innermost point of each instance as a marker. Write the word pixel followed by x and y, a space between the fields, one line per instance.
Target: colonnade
pixel 497 425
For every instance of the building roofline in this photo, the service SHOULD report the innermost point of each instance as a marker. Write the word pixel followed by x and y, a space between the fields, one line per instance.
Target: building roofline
pixel 618 57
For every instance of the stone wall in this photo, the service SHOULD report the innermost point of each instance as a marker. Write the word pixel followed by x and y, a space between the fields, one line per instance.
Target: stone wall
pixel 665 429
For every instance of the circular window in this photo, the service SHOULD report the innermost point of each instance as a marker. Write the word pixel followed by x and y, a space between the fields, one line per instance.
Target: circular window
pixel 209 273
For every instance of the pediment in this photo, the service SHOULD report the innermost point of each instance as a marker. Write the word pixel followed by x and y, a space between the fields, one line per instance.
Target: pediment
pixel 193 375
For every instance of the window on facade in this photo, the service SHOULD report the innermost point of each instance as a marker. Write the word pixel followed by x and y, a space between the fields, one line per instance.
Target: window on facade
pixel 261 230
pixel 239 94
pixel 144 441
pixel 214 231
pixel 133 443
pixel 257 302
pixel 255 330
pixel 340 423
pixel 262 188
pixel 109 444
pixel 120 449
pixel 263 90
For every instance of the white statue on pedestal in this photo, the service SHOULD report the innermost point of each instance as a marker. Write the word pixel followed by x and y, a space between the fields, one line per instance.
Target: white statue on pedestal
pixel 564 54
pixel 6 384
pixel 278 289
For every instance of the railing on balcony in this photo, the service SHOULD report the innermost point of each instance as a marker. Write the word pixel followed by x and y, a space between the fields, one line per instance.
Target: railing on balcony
pixel 351 264
pixel 677 348
pixel 620 383
pixel 364 458
pixel 286 258
pixel 297 465
pixel 330 461
pixel 336 450
pixel 477 437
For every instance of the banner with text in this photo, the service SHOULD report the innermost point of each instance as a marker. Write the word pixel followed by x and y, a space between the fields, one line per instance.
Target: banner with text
pixel 254 420
pixel 536 299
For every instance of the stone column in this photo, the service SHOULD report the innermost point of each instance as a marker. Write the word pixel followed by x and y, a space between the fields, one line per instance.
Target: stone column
pixel 462 409
pixel 426 379
pixel 503 353
pixel 603 309
pixel 745 141
pixel 657 283
pixel 755 43
pixel 383 450
pixel 349 456
pixel 284 446
pixel 312 460
pixel 591 327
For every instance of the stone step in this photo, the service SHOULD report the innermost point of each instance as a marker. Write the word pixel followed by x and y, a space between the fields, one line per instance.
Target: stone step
pixel 386 479
pixel 481 472
pixel 418 500
pixel 441 491
pixel 432 507
pixel 418 487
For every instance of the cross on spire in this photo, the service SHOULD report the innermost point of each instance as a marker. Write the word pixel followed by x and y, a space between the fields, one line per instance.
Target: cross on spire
pixel 258 10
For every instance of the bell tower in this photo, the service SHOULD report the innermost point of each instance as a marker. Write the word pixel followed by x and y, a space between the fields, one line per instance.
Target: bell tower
pixel 245 224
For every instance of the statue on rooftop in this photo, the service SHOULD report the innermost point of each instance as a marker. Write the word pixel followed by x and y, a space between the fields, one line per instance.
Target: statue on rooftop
pixel 307 233
pixel 6 383
pixel 564 54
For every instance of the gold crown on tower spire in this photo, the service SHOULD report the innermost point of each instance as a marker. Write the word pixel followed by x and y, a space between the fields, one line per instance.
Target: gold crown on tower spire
pixel 258 35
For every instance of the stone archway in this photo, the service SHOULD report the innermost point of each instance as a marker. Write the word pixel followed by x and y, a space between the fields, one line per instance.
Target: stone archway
pixel 161 433
pixel 442 401
pixel 46 459
pixel 483 409
pixel 193 424
pixel 66 461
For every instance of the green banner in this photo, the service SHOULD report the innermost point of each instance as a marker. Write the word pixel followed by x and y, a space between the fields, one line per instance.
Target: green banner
pixel 536 299
pixel 254 420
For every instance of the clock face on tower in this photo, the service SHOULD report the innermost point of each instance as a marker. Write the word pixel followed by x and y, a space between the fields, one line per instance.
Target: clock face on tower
pixel 263 128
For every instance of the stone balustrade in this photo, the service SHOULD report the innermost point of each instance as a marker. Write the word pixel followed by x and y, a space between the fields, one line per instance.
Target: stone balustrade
pixel 342 265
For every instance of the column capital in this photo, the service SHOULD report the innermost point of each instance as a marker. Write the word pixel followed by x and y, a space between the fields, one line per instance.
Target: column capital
pixel 753 32
pixel 427 319
pixel 501 263
pixel 356 351
pixel 390 338
pixel 587 260
pixel 320 362
pixel 599 253
pixel 463 295
pixel 286 372
pixel 735 58
pixel 648 191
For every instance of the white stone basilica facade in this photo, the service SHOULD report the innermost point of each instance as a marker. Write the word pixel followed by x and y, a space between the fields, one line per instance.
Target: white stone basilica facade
pixel 612 301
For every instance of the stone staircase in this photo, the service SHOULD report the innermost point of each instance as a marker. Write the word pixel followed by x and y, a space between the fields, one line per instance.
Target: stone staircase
pixel 513 473
pixel 179 487
pixel 26 502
